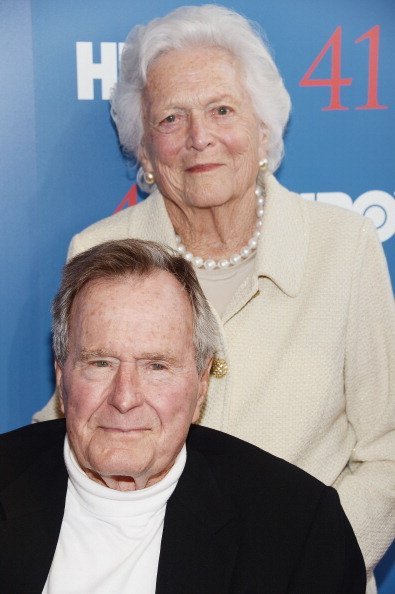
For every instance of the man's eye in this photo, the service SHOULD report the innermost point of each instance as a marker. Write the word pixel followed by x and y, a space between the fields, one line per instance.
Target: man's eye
pixel 157 366
pixel 100 363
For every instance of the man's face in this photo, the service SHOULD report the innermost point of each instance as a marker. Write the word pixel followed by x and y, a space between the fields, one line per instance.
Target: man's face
pixel 129 387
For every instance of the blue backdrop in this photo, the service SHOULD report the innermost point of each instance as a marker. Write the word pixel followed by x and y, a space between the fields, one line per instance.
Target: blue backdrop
pixel 61 169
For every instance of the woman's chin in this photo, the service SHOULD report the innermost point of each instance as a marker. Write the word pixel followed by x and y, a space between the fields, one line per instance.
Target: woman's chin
pixel 208 195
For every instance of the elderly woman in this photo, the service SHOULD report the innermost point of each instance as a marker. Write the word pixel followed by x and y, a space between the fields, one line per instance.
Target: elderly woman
pixel 301 289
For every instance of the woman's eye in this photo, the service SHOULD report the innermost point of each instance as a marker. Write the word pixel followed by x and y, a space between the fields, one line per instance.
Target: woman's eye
pixel 223 110
pixel 170 119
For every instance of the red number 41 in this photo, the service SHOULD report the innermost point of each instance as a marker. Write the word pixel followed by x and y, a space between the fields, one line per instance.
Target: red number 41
pixel 336 82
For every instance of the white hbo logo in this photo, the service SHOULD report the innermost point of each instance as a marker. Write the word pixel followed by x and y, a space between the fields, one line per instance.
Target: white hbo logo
pixel 105 70
pixel 379 206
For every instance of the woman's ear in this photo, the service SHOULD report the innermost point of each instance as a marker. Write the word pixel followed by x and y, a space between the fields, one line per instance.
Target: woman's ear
pixel 263 140
pixel 144 158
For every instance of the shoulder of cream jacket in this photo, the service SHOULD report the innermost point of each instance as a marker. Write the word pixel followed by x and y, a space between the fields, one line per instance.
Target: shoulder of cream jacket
pixel 309 342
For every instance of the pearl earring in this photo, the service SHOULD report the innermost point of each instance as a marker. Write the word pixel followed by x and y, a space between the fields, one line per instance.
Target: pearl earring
pixel 149 178
pixel 263 163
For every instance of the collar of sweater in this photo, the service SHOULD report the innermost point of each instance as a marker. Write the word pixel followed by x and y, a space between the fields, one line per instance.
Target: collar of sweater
pixel 99 500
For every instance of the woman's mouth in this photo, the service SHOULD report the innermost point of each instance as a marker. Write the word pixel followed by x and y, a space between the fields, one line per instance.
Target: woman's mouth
pixel 203 168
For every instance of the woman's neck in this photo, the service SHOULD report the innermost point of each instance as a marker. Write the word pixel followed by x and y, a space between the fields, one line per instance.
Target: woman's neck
pixel 215 232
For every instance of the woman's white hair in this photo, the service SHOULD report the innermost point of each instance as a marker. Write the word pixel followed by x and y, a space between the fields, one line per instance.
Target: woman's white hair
pixel 207 25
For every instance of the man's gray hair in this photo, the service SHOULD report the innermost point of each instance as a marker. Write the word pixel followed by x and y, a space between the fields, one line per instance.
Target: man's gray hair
pixel 133 257
pixel 212 26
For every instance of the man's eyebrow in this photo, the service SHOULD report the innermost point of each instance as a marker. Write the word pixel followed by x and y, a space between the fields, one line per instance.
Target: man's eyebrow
pixel 86 354
pixel 164 356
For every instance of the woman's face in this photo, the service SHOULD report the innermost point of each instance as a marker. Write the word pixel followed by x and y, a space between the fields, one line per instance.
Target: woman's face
pixel 202 138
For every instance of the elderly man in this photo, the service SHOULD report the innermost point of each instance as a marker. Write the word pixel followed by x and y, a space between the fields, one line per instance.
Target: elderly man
pixel 125 496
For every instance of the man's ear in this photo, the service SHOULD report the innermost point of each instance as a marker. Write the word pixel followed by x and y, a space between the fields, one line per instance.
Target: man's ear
pixel 59 392
pixel 203 387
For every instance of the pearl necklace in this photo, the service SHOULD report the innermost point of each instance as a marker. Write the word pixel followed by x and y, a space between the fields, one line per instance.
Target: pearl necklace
pixel 236 258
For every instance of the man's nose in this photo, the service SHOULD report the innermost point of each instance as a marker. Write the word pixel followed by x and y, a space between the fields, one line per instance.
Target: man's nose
pixel 126 391
pixel 199 131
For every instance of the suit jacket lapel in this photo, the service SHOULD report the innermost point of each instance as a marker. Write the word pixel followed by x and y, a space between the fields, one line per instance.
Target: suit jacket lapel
pixel 199 544
pixel 33 505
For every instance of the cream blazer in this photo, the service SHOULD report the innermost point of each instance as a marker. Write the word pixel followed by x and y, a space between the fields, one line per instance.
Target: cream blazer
pixel 309 341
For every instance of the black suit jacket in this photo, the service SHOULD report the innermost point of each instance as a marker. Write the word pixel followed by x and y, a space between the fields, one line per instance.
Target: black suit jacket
pixel 240 521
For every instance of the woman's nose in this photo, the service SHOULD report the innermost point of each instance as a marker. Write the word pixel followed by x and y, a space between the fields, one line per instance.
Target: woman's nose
pixel 126 392
pixel 199 132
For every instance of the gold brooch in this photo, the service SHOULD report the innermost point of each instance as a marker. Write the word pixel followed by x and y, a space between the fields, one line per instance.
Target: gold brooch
pixel 219 368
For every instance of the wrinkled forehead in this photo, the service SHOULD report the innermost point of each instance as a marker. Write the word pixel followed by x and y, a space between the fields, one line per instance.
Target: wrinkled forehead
pixel 190 61
pixel 158 292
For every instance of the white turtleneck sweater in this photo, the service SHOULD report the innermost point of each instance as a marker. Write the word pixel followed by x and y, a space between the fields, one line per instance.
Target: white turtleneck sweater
pixel 109 540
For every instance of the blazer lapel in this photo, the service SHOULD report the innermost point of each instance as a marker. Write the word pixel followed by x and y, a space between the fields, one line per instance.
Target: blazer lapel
pixel 199 544
pixel 28 538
